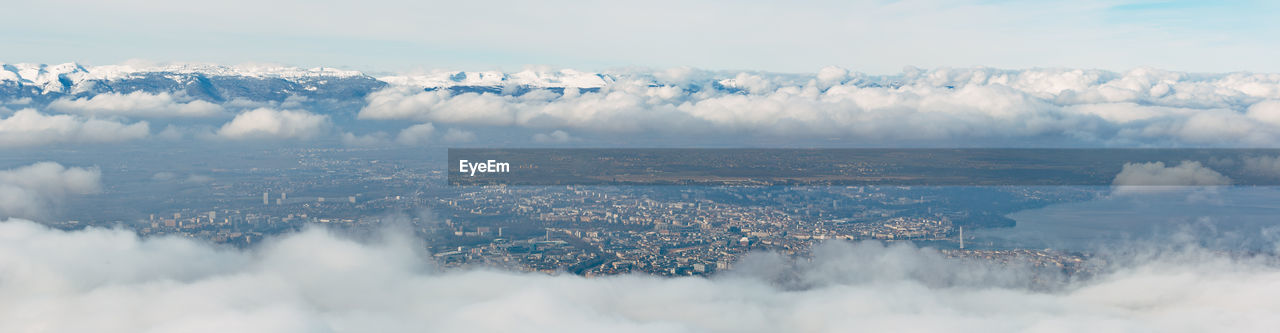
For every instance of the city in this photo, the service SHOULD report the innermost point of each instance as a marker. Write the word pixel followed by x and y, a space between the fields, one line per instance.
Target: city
pixel 583 230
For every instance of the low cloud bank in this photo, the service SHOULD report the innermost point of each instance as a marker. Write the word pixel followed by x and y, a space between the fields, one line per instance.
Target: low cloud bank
pixel 1143 107
pixel 1186 173
pixel 30 191
pixel 107 280
pixel 28 127
pixel 266 123
pixel 1140 107
pixel 138 104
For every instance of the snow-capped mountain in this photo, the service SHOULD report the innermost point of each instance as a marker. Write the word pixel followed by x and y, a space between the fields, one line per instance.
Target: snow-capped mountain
pixel 47 78
pixel 219 83
pixel 41 82
pixel 567 78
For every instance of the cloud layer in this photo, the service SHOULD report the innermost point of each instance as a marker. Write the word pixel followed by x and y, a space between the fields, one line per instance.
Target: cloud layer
pixel 112 281
pixel 137 104
pixel 28 127
pixel 1187 173
pixel 265 123
pixel 945 106
pixel 30 191
pixel 1139 107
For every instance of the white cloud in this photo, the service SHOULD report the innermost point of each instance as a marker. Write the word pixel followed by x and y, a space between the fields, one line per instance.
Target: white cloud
pixel 164 176
pixel 198 179
pixel 112 281
pixel 172 133
pixel 398 103
pixel 556 136
pixel 459 135
pixel 30 191
pixel 367 140
pixel 264 123
pixel 419 134
pixel 1142 106
pixel 137 104
pixel 1266 111
pixel 27 127
pixel 1267 166
pixel 1187 173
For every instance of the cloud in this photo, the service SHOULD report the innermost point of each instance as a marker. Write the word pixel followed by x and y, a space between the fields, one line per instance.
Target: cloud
pixel 459 135
pixel 198 179
pixel 419 134
pixel 30 191
pixel 1140 107
pixel 110 280
pixel 556 136
pixel 979 106
pixel 28 127
pixel 1267 166
pixel 367 140
pixel 1156 177
pixel 172 133
pixel 137 104
pixel 1267 111
pixel 264 123
pixel 163 176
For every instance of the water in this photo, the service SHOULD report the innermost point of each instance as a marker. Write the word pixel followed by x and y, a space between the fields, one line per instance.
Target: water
pixel 1228 218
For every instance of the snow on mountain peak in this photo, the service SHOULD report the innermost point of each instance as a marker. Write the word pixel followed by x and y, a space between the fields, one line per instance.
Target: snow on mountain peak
pixel 33 73
pixel 108 72
pixel 47 77
pixel 70 77
pixel 566 78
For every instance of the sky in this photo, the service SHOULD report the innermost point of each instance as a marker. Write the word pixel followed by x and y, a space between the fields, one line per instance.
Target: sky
pixel 870 36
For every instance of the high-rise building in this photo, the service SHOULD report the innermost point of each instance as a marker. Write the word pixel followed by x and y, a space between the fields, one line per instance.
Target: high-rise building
pixel 266 198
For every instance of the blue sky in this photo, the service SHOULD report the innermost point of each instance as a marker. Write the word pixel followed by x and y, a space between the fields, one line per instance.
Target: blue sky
pixel 871 36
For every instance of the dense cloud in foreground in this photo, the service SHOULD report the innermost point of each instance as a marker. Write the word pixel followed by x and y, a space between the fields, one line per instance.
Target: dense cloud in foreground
pixel 112 281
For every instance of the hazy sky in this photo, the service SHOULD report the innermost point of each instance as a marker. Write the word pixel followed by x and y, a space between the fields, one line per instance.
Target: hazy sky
pixel 874 36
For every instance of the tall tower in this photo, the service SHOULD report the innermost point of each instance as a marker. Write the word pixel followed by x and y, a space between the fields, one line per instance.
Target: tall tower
pixel 962 237
pixel 265 198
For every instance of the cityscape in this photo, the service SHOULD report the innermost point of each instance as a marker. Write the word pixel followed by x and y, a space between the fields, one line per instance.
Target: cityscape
pixel 586 230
